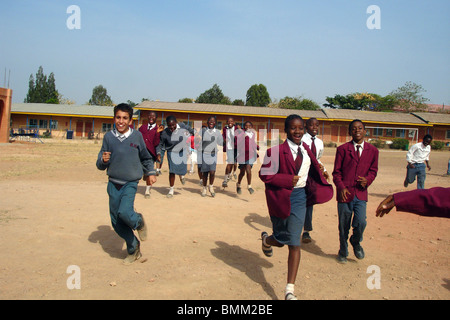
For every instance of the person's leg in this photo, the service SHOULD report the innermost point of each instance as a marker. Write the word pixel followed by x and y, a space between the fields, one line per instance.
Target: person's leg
pixel 241 175
pixel 345 218
pixel 123 217
pixel 306 238
pixel 421 175
pixel 359 224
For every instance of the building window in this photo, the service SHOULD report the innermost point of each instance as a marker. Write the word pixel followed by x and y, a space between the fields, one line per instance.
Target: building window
pixel 447 135
pixel 43 124
pixel 388 132
pixel 54 124
pixel 400 133
pixel 33 123
pixel 377 131
pixel 106 127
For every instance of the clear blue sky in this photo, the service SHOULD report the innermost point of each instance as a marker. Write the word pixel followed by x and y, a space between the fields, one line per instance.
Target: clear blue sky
pixel 171 49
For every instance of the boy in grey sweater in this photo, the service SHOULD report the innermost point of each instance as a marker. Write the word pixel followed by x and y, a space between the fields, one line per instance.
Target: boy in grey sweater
pixel 126 159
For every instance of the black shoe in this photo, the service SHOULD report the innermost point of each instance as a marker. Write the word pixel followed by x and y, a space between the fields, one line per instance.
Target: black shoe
pixel 357 249
pixel 239 190
pixel 306 238
pixel 341 258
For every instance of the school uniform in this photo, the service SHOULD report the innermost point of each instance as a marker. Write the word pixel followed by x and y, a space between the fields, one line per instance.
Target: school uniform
pixel 287 203
pixel 129 160
pixel 433 202
pixel 246 147
pixel 348 166
pixel 417 155
pixel 151 137
pixel 229 143
pixel 174 143
pixel 316 146
pixel 211 138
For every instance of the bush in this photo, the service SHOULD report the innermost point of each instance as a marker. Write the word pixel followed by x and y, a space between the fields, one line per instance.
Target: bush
pixel 437 145
pixel 379 144
pixel 400 143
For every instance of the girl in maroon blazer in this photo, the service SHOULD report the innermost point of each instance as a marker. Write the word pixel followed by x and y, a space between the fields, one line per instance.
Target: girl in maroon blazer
pixel 247 153
pixel 355 168
pixel 292 179
pixel 150 132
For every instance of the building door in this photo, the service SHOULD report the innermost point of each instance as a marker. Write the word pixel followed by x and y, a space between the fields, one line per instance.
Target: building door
pixel 79 130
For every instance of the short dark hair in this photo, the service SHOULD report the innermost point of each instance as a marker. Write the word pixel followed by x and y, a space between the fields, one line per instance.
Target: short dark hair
pixel 171 118
pixel 427 136
pixel 125 108
pixel 309 120
pixel 351 123
pixel 289 119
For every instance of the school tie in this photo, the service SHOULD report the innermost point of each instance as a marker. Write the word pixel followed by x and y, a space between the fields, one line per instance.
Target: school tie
pixel 313 147
pixel 298 160
pixel 357 151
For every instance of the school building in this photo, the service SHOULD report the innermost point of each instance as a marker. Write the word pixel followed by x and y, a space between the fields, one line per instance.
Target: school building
pixel 92 122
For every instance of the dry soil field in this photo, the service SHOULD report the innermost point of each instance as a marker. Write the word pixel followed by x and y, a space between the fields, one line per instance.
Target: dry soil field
pixel 54 214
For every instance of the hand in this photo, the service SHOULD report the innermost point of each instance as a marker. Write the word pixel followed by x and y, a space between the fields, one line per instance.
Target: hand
pixel 385 206
pixel 295 180
pixel 326 175
pixel 411 166
pixel 429 168
pixel 362 181
pixel 106 156
pixel 158 158
pixel 152 179
pixel 344 193
pixel 160 128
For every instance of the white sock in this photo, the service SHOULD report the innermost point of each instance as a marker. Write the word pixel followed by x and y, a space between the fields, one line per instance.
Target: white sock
pixel 289 288
pixel 249 186
pixel 171 190
pixel 147 189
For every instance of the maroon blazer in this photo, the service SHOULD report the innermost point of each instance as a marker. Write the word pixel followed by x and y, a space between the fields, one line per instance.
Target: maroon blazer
pixel 278 173
pixel 151 138
pixel 347 168
pixel 246 148
pixel 224 136
pixel 434 202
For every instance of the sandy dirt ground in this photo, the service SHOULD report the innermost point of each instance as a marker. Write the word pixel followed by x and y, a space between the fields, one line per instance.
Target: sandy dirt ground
pixel 54 215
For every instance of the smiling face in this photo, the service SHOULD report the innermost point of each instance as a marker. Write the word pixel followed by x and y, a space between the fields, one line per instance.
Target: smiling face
pixel 211 123
pixel 312 127
pixel 172 125
pixel 152 117
pixel 426 141
pixel 358 132
pixel 295 130
pixel 122 121
pixel 230 122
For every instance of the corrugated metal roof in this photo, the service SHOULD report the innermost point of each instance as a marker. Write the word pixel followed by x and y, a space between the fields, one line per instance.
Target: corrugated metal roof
pixel 65 110
pixel 439 118
pixel 228 109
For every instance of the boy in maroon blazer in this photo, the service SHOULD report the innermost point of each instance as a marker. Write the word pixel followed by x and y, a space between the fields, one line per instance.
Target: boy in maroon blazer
pixel 150 132
pixel 355 168
pixel 293 180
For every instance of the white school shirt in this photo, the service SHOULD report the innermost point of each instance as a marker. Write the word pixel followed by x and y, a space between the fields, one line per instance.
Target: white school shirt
pixel 418 153
pixel 360 149
pixel 230 138
pixel 303 172
pixel 121 136
pixel 307 138
pixel 151 126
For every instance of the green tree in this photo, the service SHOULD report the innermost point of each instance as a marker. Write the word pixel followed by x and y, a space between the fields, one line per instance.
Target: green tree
pixel 238 102
pixel 100 97
pixel 257 96
pixel 186 100
pixel 409 97
pixel 213 95
pixel 297 103
pixel 43 89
